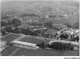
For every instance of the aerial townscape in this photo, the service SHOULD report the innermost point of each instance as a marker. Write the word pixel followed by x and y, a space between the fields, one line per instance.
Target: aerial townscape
pixel 39 28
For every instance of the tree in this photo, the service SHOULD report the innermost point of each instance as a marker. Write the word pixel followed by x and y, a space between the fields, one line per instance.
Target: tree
pixel 68 25
pixel 16 22
pixel 3 32
pixel 55 28
pixel 3 23
pixel 49 24
pixel 76 25
pixel 5 17
pixel 9 28
pixel 28 32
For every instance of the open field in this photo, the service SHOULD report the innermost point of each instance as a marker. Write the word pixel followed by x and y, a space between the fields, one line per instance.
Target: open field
pixel 31 40
pixel 8 51
pixel 10 37
pixel 38 52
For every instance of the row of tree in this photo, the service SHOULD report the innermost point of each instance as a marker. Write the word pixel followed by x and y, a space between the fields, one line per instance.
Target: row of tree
pixel 16 22
pixel 50 25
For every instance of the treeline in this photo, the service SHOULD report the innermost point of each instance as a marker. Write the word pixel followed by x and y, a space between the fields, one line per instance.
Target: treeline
pixel 15 22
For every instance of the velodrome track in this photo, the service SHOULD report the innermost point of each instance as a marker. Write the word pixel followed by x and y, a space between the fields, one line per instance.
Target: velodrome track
pixel 17 51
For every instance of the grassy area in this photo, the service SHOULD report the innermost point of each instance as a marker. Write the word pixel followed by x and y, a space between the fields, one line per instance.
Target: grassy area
pixel 31 40
pixel 38 52
pixel 8 51
pixel 45 52
pixel 28 52
pixel 10 37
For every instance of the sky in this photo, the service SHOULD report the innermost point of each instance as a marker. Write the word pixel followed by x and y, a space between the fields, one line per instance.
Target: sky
pixel 2 1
